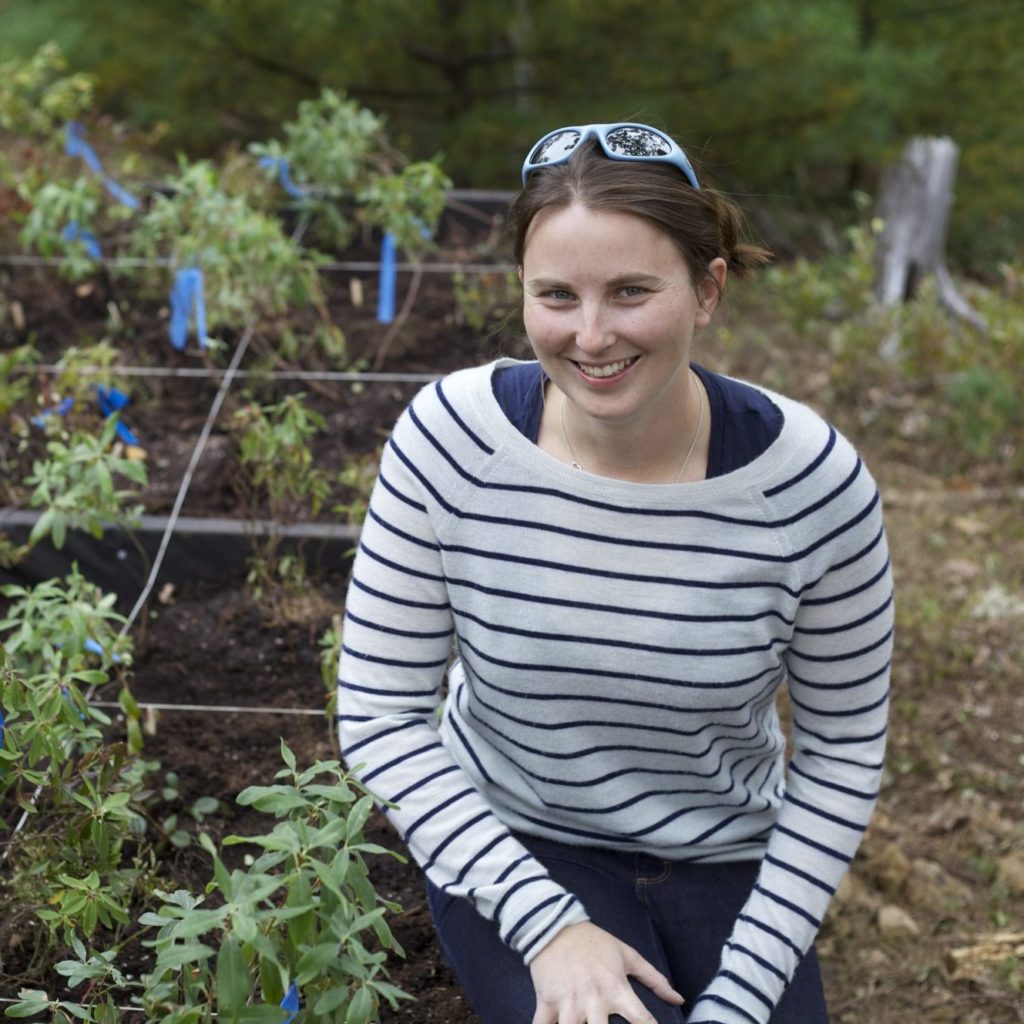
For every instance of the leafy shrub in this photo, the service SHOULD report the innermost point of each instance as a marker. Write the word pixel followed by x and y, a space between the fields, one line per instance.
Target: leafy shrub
pixel 278 475
pixel 73 860
pixel 251 268
pixel 347 174
pixel 302 918
pixel 75 486
pixel 36 97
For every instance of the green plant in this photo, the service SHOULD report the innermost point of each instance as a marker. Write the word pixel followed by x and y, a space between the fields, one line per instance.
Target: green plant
pixel 330 655
pixel 53 207
pixel 200 808
pixel 486 302
pixel 359 476
pixel 348 174
pixel 302 917
pixel 36 97
pixel 75 486
pixel 73 858
pixel 278 477
pixel 16 378
pixel 250 266
pixel 68 622
pixel 81 369
pixel 985 404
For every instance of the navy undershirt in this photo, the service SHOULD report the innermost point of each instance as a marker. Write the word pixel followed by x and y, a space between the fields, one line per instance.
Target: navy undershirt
pixel 744 422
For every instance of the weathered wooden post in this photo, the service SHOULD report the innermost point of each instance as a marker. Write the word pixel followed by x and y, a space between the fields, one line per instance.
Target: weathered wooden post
pixel 914 203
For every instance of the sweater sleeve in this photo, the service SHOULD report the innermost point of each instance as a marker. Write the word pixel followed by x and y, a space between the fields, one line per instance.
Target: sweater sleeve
pixel 838 679
pixel 397 639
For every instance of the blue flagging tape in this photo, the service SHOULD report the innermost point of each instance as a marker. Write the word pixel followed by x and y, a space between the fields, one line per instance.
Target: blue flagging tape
pixel 75 144
pixel 187 301
pixel 284 176
pixel 388 274
pixel 62 409
pixel 73 233
pixel 291 1002
pixel 110 401
pixel 93 647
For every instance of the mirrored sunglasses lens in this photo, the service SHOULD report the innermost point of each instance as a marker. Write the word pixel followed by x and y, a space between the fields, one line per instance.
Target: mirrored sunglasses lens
pixel 556 148
pixel 637 142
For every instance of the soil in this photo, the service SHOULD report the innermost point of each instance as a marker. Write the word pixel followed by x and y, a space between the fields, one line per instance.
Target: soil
pixel 940 872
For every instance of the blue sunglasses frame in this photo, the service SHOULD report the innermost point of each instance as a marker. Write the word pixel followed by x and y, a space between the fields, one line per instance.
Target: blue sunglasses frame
pixel 601 132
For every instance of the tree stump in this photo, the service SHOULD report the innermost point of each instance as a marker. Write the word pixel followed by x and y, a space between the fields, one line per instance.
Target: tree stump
pixel 915 198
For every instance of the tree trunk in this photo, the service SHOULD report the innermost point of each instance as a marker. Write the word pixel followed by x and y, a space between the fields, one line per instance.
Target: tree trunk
pixel 914 203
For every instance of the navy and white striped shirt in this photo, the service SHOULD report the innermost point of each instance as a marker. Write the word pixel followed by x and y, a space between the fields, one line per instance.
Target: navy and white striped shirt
pixel 619 647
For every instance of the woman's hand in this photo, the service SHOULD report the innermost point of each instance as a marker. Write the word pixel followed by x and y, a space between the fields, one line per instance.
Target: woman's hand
pixel 582 977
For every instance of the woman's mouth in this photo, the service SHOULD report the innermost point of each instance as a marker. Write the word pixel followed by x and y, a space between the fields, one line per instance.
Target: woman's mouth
pixel 605 369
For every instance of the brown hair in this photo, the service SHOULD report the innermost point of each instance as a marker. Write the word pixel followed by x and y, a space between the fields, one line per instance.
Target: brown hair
pixel 702 224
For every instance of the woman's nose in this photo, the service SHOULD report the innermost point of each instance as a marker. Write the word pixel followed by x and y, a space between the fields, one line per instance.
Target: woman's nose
pixel 593 332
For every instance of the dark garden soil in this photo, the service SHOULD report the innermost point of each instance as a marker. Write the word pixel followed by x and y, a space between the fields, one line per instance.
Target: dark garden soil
pixel 919 932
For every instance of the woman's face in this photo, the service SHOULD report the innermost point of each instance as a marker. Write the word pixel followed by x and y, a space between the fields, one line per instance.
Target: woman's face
pixel 610 311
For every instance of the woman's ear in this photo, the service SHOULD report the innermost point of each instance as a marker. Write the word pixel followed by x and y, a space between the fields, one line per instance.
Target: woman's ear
pixel 519 273
pixel 710 289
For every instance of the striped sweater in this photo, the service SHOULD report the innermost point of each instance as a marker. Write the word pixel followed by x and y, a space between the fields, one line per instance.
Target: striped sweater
pixel 618 648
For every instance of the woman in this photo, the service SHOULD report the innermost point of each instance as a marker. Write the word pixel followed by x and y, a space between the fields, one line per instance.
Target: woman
pixel 631 555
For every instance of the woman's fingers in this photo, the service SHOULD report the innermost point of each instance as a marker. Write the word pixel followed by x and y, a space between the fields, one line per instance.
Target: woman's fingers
pixel 582 977
pixel 647 974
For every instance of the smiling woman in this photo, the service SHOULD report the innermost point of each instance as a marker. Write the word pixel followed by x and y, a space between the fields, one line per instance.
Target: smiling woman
pixel 631 556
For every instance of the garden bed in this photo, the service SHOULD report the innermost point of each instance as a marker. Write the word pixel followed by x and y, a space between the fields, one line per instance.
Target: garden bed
pixel 943 845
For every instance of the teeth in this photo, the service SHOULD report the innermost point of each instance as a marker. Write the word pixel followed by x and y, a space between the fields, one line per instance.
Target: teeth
pixel 608 370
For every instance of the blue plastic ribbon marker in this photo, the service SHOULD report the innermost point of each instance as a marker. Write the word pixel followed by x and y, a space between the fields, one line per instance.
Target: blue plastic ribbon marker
pixel 75 144
pixel 291 1002
pixel 187 301
pixel 39 420
pixel 73 233
pixel 283 168
pixel 388 275
pixel 111 400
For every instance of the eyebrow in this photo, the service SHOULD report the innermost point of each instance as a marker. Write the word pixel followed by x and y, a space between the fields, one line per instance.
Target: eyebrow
pixel 543 283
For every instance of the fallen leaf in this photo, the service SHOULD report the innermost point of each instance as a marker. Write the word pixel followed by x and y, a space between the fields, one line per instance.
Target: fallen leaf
pixel 895 921
pixel 962 568
pixel 972 527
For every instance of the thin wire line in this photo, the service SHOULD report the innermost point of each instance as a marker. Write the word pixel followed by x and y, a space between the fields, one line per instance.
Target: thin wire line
pixel 224 709
pixel 65 1002
pixel 130 262
pixel 204 372
pixel 186 481
pixel 197 452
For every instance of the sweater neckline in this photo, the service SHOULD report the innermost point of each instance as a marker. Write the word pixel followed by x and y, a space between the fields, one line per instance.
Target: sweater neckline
pixel 766 469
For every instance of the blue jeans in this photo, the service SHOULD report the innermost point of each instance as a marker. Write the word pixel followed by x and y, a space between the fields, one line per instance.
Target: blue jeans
pixel 676 915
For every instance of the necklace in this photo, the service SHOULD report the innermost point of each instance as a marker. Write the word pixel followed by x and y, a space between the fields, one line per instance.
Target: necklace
pixel 574 462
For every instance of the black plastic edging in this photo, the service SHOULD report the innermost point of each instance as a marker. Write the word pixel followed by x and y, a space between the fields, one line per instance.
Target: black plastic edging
pixel 201 549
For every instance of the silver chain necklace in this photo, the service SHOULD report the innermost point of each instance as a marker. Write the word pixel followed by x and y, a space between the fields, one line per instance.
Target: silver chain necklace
pixel 574 462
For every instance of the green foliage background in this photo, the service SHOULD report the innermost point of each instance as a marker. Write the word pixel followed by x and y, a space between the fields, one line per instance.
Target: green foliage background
pixel 795 104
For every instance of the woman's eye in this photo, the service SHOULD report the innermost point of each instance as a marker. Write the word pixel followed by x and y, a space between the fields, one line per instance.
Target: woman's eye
pixel 559 294
pixel 633 291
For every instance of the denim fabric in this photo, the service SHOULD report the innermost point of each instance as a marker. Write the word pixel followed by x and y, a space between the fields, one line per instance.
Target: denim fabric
pixel 676 915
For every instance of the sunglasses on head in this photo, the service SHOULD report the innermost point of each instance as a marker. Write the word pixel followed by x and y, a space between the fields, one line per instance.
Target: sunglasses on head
pixel 625 140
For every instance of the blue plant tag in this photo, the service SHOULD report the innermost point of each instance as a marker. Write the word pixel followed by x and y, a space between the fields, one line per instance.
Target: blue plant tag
pixel 291 1002
pixel 388 275
pixel 73 233
pixel 111 400
pixel 62 409
pixel 187 301
pixel 284 175
pixel 75 144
